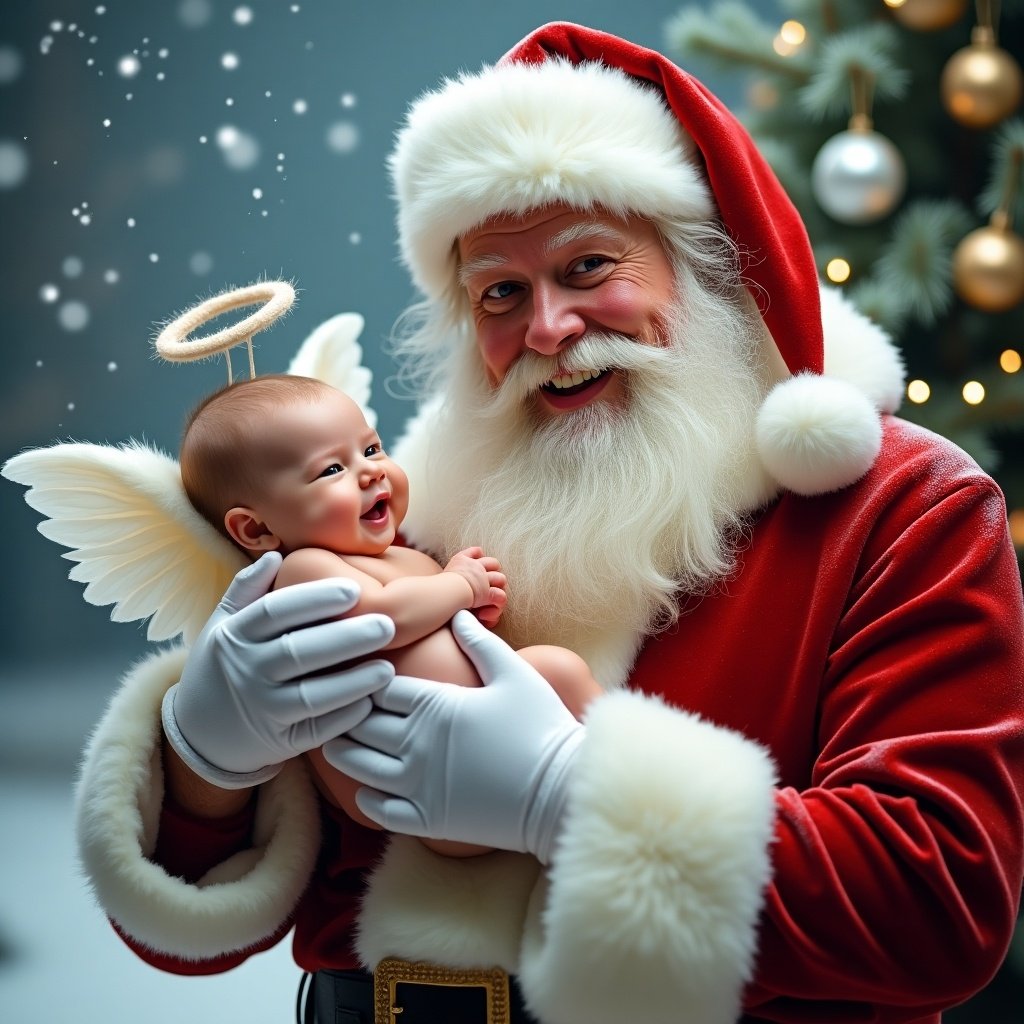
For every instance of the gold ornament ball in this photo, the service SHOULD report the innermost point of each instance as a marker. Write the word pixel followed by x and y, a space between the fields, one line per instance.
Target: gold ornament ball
pixel 928 15
pixel 988 269
pixel 981 85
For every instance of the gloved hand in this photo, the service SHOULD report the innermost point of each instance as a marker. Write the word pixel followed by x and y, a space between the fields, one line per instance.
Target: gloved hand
pixel 245 702
pixel 488 765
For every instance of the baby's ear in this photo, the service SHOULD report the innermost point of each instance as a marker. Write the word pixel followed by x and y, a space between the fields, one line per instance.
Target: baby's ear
pixel 249 531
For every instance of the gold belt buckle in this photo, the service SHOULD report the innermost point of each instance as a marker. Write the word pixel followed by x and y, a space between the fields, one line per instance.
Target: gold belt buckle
pixel 391 973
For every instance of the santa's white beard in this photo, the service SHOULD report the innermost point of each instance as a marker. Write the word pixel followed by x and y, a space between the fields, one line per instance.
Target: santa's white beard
pixel 603 517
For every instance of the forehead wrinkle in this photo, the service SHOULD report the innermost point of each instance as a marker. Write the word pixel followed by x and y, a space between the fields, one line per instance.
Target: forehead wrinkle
pixel 480 265
pixel 579 231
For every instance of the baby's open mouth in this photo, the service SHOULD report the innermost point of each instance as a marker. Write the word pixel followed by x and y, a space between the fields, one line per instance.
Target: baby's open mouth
pixel 377 511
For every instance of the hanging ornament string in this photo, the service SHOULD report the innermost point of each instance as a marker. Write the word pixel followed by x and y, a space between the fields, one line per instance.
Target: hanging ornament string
pixel 988 264
pixel 859 176
pixel 176 344
pixel 982 84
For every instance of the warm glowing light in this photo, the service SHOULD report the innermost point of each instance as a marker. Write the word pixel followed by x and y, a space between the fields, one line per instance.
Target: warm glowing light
pixel 918 391
pixel 973 392
pixel 1009 361
pixel 1016 518
pixel 793 33
pixel 895 3
pixel 837 270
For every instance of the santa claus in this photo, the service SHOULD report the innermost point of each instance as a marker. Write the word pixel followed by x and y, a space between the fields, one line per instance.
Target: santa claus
pixel 801 796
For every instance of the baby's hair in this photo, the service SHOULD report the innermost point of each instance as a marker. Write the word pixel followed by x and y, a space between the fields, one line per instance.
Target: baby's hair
pixel 217 469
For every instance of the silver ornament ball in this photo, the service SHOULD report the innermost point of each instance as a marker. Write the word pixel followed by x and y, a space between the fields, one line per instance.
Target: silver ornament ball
pixel 858 177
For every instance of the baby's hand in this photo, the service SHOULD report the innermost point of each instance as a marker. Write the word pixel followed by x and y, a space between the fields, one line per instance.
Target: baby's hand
pixel 484 576
pixel 489 614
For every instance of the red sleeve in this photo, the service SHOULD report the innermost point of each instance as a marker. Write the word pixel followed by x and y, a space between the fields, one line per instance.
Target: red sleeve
pixel 897 873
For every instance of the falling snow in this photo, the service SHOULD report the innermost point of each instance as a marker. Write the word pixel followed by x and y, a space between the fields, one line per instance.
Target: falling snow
pixel 342 137
pixel 129 66
pixel 14 163
pixel 194 13
pixel 73 315
pixel 10 64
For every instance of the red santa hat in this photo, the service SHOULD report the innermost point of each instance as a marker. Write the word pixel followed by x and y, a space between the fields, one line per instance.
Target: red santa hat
pixel 571 115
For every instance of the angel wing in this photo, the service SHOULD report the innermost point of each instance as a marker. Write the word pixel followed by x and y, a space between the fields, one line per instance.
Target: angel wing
pixel 332 354
pixel 138 542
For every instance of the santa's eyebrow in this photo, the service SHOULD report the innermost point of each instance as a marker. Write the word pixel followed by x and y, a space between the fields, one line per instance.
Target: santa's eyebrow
pixel 583 230
pixel 479 265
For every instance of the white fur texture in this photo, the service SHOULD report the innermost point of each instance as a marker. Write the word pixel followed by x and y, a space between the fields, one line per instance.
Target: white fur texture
pixel 138 542
pixel 817 434
pixel 118 797
pixel 494 142
pixel 860 352
pixel 462 912
pixel 657 881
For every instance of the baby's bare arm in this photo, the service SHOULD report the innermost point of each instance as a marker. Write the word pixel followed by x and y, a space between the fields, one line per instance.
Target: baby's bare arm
pixel 418 605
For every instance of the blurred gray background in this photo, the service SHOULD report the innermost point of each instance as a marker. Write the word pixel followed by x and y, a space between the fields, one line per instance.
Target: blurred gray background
pixel 151 154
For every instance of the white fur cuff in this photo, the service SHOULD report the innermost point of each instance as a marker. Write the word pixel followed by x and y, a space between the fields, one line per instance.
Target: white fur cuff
pixel 239 903
pixel 658 879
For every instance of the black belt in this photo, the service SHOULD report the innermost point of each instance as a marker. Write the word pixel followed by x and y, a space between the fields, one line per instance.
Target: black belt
pixel 405 993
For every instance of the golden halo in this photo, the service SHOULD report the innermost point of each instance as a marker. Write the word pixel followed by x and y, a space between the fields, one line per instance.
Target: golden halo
pixel 175 344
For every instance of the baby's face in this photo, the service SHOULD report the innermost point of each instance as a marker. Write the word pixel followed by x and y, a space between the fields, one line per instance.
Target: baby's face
pixel 327 481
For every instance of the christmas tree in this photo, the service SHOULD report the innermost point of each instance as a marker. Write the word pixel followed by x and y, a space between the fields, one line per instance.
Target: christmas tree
pixel 895 128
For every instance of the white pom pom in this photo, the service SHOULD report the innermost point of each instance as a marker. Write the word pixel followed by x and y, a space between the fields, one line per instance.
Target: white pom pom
pixel 817 434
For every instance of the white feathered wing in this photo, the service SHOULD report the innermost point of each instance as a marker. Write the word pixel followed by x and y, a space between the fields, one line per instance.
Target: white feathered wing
pixel 332 354
pixel 137 541
pixel 139 544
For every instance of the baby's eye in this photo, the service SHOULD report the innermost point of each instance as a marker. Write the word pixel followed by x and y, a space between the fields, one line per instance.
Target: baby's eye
pixel 333 469
pixel 502 290
pixel 588 265
pixel 374 449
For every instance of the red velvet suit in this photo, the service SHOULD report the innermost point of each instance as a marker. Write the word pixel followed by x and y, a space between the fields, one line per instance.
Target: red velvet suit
pixel 872 641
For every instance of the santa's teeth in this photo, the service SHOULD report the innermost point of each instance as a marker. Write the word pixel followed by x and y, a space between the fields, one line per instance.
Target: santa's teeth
pixel 572 380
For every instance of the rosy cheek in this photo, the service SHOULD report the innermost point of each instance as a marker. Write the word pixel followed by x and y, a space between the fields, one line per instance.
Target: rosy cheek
pixel 499 348
pixel 620 306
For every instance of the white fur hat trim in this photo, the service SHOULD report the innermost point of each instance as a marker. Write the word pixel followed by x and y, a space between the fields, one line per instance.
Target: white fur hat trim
pixel 495 143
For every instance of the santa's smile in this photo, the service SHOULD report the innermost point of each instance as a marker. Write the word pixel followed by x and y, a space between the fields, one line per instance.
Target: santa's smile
pixel 571 390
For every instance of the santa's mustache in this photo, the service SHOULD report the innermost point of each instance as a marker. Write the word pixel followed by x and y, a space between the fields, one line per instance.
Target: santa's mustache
pixel 593 353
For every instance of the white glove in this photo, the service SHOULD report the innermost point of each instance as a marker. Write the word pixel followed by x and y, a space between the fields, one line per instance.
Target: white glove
pixel 488 765
pixel 245 702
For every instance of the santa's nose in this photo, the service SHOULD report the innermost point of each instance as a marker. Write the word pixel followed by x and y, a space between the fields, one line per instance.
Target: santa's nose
pixel 555 319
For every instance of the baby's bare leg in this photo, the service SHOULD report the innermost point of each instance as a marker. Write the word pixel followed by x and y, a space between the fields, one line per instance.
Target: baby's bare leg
pixel 568 674
pixel 436 656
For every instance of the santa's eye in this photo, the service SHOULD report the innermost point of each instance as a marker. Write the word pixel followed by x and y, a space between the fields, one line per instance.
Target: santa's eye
pixel 588 264
pixel 333 469
pixel 501 290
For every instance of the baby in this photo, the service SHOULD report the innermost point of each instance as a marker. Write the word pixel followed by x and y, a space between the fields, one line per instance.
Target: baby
pixel 286 463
